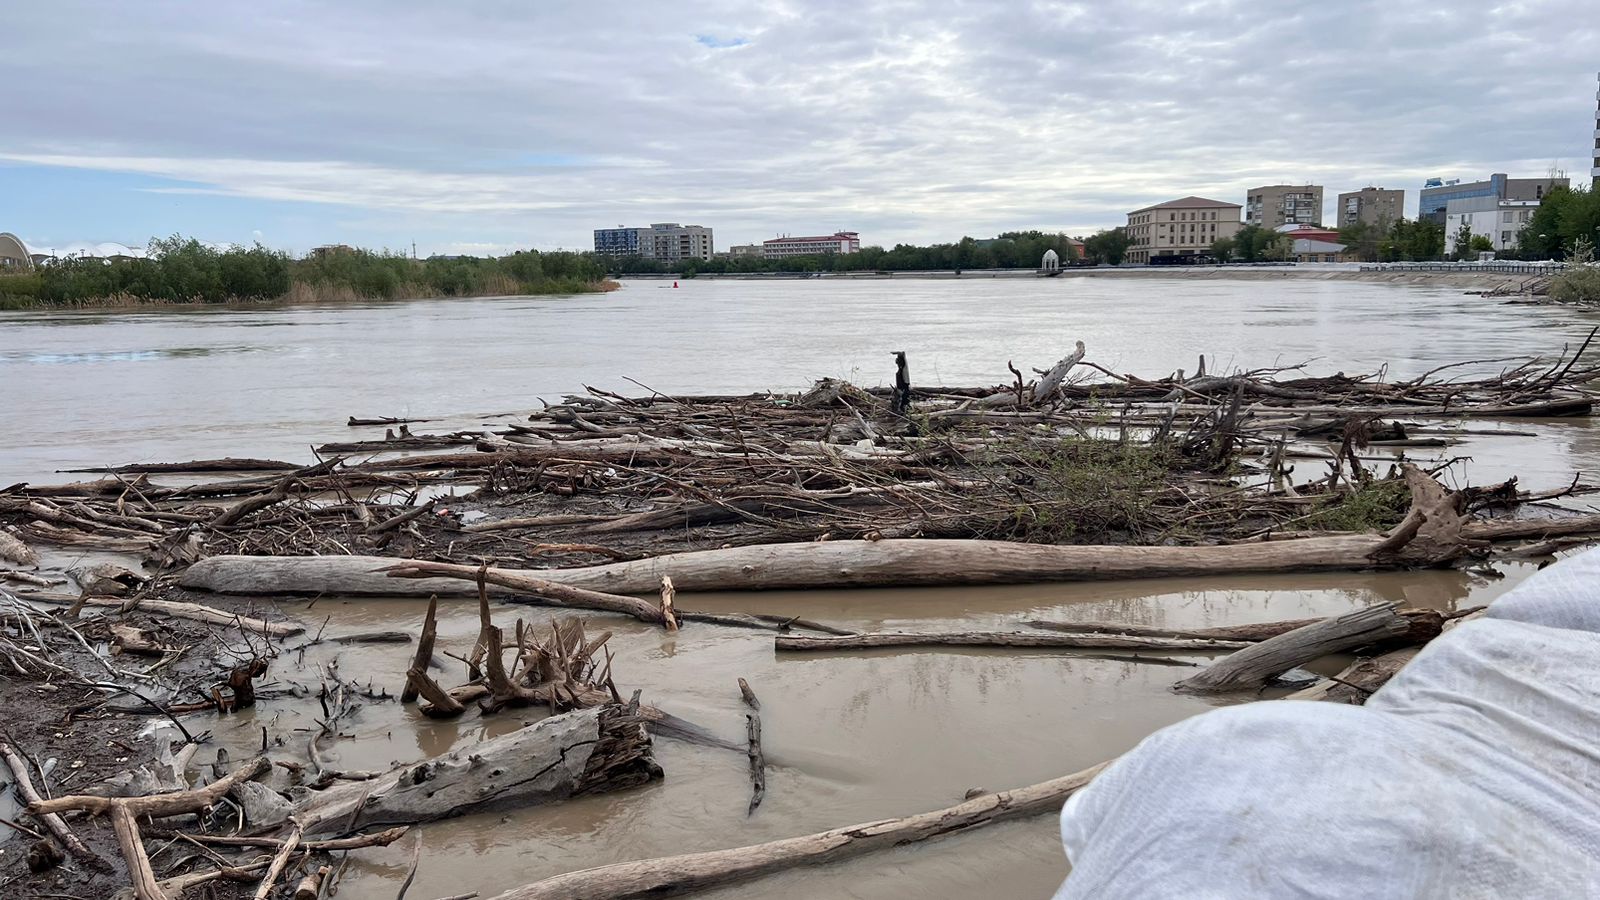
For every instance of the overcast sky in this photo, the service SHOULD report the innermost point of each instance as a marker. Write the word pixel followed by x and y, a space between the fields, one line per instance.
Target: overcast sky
pixel 480 127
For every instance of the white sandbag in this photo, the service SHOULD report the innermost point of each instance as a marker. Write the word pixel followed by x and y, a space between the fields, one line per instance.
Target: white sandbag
pixel 1474 773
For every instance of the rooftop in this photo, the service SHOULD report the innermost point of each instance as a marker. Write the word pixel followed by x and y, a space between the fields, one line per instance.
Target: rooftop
pixel 1189 203
pixel 822 237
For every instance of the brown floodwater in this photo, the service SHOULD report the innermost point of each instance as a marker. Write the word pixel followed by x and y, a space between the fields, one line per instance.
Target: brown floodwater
pixel 851 737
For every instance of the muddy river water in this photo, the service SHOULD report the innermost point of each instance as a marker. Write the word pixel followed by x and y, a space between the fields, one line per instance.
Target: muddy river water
pixel 850 737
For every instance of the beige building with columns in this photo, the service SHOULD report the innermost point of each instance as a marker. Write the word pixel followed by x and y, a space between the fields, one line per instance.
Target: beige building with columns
pixel 1179 228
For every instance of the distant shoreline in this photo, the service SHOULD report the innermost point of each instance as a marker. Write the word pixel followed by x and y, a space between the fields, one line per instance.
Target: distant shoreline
pixel 300 297
pixel 1478 280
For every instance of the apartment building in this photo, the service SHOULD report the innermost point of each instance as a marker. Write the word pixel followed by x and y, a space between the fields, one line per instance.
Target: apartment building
pixel 1178 228
pixel 666 241
pixel 1437 193
pixel 744 250
pixel 1272 205
pixel 1374 206
pixel 1501 221
pixel 838 242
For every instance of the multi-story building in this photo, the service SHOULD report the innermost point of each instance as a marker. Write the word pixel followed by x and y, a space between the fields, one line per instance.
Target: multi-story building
pixel 1179 228
pixel 618 241
pixel 1437 193
pixel 744 250
pixel 1501 221
pixel 1370 206
pixel 838 242
pixel 666 241
pixel 1272 205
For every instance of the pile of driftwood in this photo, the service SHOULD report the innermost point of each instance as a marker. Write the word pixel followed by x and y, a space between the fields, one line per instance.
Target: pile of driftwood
pixel 1163 463
pixel 276 821
pixel 611 504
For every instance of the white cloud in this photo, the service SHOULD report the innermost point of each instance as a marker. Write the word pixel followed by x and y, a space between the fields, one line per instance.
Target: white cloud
pixel 509 123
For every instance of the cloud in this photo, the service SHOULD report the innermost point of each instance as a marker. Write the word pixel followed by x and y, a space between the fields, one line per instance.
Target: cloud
pixel 513 124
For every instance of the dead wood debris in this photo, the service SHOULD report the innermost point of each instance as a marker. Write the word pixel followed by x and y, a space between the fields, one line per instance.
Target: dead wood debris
pixel 1082 458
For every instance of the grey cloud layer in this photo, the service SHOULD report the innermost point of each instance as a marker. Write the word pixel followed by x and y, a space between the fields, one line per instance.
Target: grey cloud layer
pixel 533 122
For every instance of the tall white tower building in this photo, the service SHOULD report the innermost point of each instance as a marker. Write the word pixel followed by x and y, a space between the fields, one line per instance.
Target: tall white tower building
pixel 1595 172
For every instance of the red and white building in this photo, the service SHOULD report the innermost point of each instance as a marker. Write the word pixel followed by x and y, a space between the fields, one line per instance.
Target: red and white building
pixel 839 242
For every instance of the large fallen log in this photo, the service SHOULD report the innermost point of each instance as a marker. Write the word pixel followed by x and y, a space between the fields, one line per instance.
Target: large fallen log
pixel 911 561
pixel 177 610
pixel 1426 624
pixel 534 590
pixel 228 464
pixel 1254 666
pixel 1430 535
pixel 675 874
pixel 1018 639
pixel 583 752
pixel 1516 529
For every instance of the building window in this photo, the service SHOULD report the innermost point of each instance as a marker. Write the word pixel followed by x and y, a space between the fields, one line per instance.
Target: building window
pixel 1505 216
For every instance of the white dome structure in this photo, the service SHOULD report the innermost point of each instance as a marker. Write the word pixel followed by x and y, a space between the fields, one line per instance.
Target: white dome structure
pixel 14 253
pixel 1051 262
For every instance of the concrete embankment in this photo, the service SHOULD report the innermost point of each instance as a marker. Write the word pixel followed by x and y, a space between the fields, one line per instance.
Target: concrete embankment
pixel 1499 282
pixel 1495 282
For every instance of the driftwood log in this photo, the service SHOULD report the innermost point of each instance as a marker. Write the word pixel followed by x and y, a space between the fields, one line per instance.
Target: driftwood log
pixel 1016 639
pixel 757 757
pixel 676 874
pixel 177 610
pixel 1425 625
pixel 12 549
pixel 125 813
pixel 23 784
pixel 1515 529
pixel 1429 535
pixel 1359 680
pixel 912 561
pixel 583 752
pixel 1254 666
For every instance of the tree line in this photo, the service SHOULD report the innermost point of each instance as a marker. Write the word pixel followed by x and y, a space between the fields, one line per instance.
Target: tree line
pixel 183 270
pixel 1566 221
pixel 1011 250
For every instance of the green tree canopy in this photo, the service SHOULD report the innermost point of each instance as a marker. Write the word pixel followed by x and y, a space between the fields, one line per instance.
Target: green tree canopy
pixel 1564 217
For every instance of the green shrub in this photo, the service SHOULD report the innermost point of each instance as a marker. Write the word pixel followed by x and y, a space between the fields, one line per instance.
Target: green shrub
pixel 1375 506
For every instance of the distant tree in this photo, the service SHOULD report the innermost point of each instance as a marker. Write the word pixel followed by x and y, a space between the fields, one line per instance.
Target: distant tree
pixel 1480 244
pixel 1416 241
pixel 1222 249
pixel 1252 243
pixel 1362 238
pixel 1108 247
pixel 1462 247
pixel 1563 218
